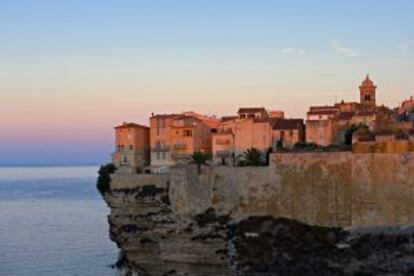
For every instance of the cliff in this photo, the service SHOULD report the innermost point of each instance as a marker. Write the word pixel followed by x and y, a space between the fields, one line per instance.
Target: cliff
pixel 227 221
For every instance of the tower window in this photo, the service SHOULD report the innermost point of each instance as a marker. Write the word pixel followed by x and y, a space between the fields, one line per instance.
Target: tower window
pixel 367 97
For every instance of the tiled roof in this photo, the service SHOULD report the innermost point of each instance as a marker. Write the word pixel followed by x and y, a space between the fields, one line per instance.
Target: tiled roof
pixel 251 109
pixel 364 113
pixel 345 115
pixel 228 118
pixel 172 115
pixel 322 112
pixel 321 108
pixel 288 124
pixel 130 125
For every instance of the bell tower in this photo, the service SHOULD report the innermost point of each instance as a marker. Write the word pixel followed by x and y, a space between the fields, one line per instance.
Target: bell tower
pixel 367 92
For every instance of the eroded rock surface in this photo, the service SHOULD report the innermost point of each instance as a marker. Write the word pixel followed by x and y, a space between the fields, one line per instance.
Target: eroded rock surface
pixel 155 241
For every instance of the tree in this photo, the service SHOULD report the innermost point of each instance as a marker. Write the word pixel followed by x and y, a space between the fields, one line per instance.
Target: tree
pixel 199 158
pixel 104 178
pixel 253 157
pixel 350 131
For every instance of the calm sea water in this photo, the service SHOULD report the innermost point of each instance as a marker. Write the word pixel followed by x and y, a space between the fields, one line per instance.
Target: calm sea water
pixel 53 222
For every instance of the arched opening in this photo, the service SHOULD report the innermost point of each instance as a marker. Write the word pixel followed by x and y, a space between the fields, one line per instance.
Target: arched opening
pixel 367 97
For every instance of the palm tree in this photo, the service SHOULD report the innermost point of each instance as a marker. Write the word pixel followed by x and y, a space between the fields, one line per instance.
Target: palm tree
pixel 199 158
pixel 253 157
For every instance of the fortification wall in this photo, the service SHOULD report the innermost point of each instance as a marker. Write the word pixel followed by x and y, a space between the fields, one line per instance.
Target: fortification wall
pixel 339 188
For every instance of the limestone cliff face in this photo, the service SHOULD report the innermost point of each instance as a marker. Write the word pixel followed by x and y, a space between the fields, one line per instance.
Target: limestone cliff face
pixel 154 241
pixel 226 221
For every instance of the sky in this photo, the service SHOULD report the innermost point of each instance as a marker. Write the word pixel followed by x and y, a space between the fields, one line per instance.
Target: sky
pixel 70 70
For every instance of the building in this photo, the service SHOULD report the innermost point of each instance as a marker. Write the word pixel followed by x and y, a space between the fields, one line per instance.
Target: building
pixel 407 106
pixel 175 137
pixel 287 132
pixel 252 112
pixel 368 92
pixel 366 118
pixel 251 128
pixel 320 125
pixel 132 146
pixel 277 114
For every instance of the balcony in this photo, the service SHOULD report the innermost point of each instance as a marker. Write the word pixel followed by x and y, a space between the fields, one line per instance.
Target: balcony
pixel 223 142
pixel 161 149
pixel 180 147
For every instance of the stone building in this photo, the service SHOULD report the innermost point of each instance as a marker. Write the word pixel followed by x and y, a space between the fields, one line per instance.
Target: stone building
pixel 287 133
pixel 368 92
pixel 326 125
pixel 132 146
pixel 251 128
pixel 175 137
pixel 320 125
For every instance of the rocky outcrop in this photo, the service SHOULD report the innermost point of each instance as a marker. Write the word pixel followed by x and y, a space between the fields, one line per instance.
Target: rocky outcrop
pixel 155 241
pixel 268 246
pixel 285 219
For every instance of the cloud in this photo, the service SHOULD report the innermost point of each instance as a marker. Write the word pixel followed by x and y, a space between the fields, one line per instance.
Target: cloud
pixel 338 48
pixel 292 51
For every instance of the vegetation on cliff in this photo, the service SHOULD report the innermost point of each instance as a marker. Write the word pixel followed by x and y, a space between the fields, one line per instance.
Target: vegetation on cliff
pixel 253 157
pixel 104 177
pixel 200 159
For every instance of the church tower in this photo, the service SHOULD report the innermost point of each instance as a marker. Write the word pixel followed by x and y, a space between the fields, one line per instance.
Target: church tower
pixel 367 92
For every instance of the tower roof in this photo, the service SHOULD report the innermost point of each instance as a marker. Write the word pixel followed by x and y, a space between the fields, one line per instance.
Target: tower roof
pixel 367 81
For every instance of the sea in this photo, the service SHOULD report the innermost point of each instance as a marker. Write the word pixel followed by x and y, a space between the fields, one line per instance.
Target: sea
pixel 53 221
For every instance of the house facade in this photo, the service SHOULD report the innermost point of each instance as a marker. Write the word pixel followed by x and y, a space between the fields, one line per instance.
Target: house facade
pixel 132 146
pixel 175 137
pixel 287 132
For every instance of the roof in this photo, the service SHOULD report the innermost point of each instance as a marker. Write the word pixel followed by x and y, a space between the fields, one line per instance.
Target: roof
pixel 364 113
pixel 171 115
pixel 322 112
pixel 320 108
pixel 288 124
pixel 367 82
pixel 345 116
pixel 228 118
pixel 251 109
pixel 130 125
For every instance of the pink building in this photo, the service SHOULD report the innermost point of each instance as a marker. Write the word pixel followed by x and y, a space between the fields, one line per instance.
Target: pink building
pixel 251 128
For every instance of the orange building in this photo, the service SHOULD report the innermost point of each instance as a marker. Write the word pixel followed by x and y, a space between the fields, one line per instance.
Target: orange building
pixel 175 137
pixel 132 146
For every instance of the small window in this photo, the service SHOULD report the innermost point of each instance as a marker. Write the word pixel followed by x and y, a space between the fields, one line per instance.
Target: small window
pixel 290 133
pixel 131 147
pixel 158 155
pixel 188 133
pixel 163 155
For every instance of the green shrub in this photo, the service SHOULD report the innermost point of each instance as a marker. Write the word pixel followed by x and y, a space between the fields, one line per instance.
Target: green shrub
pixel 104 178
pixel 200 159
pixel 253 157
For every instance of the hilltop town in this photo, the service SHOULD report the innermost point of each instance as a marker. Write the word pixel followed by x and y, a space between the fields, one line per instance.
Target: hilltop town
pixel 360 127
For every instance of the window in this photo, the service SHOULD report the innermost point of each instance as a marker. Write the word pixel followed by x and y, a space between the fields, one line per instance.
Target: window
pixel 131 147
pixel 163 155
pixel 125 160
pixel 291 133
pixel 188 133
pixel 158 155
pixel 158 126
